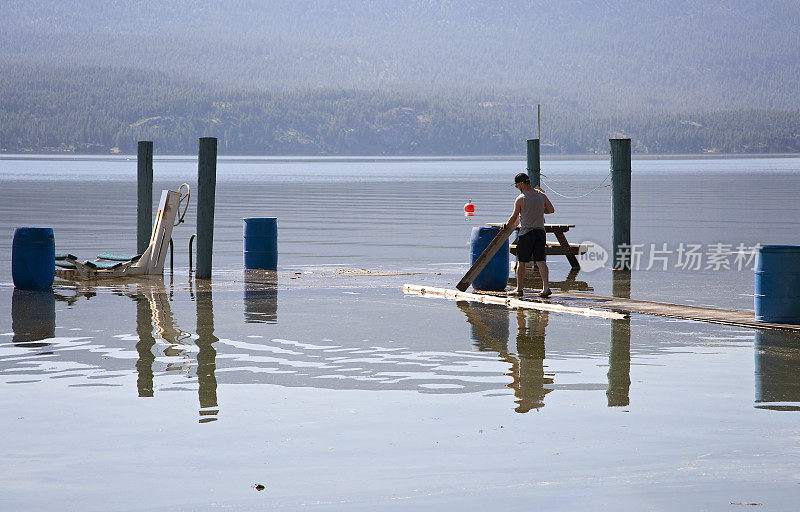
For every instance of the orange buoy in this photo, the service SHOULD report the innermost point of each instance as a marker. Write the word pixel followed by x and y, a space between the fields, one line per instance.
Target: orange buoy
pixel 469 209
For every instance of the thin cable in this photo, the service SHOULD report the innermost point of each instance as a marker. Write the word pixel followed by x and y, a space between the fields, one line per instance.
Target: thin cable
pixel 580 196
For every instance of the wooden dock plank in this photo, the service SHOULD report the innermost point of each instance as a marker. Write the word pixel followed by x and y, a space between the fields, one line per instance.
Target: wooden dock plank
pixel 508 301
pixel 578 303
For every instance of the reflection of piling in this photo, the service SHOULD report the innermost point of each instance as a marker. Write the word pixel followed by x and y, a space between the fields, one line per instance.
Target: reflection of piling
pixel 144 187
pixel 619 356
pixel 33 316
pixel 777 369
pixel 534 162
pixel 144 347
pixel 206 190
pixel 260 296
pixel 206 355
pixel 620 200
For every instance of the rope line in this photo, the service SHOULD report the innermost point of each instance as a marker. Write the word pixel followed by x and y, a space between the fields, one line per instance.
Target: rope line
pixel 580 196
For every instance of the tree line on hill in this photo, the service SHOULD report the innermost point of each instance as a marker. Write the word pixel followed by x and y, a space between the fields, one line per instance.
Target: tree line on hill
pixel 107 109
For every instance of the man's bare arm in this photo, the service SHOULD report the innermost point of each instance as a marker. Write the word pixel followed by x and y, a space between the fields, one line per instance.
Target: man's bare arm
pixel 548 206
pixel 512 221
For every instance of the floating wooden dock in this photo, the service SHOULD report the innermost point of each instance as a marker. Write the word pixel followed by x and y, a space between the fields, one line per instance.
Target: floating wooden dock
pixel 587 304
pixel 510 301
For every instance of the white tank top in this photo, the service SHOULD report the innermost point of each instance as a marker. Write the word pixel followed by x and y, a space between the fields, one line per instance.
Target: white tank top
pixel 532 215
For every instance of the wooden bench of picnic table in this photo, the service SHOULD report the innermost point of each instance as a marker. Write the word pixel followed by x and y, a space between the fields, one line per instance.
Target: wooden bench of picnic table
pixel 560 248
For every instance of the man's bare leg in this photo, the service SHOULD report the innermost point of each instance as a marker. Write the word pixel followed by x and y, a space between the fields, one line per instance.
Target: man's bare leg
pixel 520 277
pixel 544 272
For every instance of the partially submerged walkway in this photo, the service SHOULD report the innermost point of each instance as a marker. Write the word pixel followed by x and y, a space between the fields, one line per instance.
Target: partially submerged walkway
pixel 597 305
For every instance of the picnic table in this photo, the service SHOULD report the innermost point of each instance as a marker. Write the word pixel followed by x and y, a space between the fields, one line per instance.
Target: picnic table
pixel 559 248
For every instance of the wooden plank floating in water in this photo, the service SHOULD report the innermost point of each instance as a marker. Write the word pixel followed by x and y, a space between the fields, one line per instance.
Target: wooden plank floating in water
pixel 509 302
pixel 610 307
pixel 697 313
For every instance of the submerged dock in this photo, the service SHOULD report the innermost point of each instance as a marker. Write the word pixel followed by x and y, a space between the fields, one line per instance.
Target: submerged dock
pixel 588 304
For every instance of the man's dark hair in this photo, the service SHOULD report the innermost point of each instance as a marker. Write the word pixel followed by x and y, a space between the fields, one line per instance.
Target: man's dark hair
pixel 522 178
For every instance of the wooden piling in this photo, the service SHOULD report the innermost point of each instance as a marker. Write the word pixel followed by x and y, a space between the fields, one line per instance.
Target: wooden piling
pixel 206 190
pixel 144 194
pixel 621 203
pixel 534 163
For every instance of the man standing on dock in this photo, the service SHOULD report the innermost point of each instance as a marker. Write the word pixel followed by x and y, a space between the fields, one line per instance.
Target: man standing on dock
pixel 529 210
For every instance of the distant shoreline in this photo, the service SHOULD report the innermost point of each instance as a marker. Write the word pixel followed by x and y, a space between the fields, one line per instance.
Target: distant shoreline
pixel 55 157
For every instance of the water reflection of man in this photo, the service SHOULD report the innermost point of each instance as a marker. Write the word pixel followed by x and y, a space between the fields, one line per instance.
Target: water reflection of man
pixel 490 332
pixel 530 379
pixel 530 208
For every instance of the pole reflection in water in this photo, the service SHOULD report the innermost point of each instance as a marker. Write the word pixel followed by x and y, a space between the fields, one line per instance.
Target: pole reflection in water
pixel 490 332
pixel 777 370
pixel 144 347
pixel 206 355
pixel 530 378
pixel 33 317
pixel 260 296
pixel 619 356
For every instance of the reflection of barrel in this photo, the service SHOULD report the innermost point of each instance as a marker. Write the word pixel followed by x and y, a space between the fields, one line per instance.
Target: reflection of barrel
pixel 777 364
pixel 260 296
pixel 489 324
pixel 777 284
pixel 261 243
pixel 33 258
pixel 495 275
pixel 33 316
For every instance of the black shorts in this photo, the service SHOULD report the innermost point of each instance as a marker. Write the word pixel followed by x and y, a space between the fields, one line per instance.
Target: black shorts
pixel 530 244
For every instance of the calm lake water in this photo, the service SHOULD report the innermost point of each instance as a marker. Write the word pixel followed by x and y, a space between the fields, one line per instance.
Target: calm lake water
pixel 329 387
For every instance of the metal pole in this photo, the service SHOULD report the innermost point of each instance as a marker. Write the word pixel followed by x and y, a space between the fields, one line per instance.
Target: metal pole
pixel 621 203
pixel 144 208
pixel 534 166
pixel 206 189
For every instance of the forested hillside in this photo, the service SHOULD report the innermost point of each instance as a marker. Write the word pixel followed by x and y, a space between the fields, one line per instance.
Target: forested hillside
pixel 103 110
pixel 389 77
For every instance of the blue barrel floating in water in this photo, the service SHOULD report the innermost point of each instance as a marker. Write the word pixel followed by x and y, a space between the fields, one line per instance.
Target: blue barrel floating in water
pixel 494 277
pixel 33 258
pixel 261 243
pixel 777 284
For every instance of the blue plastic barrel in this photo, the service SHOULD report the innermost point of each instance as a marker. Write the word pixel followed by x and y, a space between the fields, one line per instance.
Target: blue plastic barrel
pixel 777 284
pixel 494 276
pixel 33 258
pixel 261 243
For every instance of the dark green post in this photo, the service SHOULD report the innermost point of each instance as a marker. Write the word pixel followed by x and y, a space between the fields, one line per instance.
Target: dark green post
pixel 206 189
pixel 144 205
pixel 621 203
pixel 534 165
